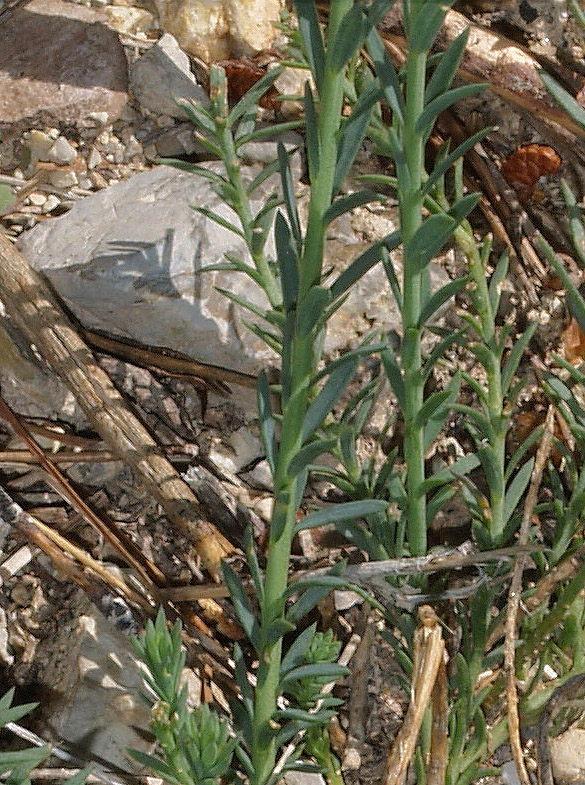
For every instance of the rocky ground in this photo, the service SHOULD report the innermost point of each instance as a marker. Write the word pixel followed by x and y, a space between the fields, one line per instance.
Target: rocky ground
pixel 86 110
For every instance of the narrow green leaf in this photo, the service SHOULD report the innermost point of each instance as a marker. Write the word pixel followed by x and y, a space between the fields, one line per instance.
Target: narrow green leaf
pixel 565 101
pixel 447 68
pixel 198 115
pixel 516 489
pixel 440 297
pixel 440 349
pixel 311 595
pixel 444 164
pixel 80 777
pixel 264 133
pixel 459 468
pixel 575 221
pixel 387 75
pixel 429 238
pixel 341 512
pixel 328 396
pixel 463 207
pixel 345 204
pixel 312 140
pixel 287 261
pixel 242 302
pixel 298 649
pixel 156 765
pixel 437 419
pixel 427 25
pixel 349 38
pixel 252 97
pixel 360 266
pixel 429 407
pixel 289 197
pixel 200 171
pixel 390 271
pixel 497 278
pixel 352 134
pixel 242 607
pixel 270 339
pixel 317 669
pixel 310 31
pixel 266 420
pixel 306 455
pixel 444 101
pixel 246 692
pixel 267 171
pixel 311 311
pixel 511 364
pixel 220 220
pixel 360 351
pixel 277 630
pixel 394 375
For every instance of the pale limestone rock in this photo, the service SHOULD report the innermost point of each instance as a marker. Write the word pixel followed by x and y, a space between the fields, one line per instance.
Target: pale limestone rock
pixel 567 753
pixel 218 29
pixel 251 24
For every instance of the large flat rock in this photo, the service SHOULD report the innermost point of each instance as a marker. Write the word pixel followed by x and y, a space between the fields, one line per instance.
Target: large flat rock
pixel 128 260
pixel 58 64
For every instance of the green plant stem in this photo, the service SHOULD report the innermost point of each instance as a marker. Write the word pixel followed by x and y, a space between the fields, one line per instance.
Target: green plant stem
pixel 411 204
pixel 241 204
pixel 495 399
pixel 305 355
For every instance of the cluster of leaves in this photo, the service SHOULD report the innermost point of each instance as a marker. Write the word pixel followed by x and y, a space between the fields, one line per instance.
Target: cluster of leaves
pixel 197 745
pixel 16 767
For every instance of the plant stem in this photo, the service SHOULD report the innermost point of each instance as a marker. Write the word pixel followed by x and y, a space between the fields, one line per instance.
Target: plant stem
pixel 411 203
pixel 305 353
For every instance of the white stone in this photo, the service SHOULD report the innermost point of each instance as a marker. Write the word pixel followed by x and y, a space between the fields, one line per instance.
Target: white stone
pixel 63 179
pixel 62 152
pixel 37 198
pixel 163 74
pixel 94 158
pixel 38 144
pixel 217 29
pixel 97 706
pixel 567 753
pixel 130 20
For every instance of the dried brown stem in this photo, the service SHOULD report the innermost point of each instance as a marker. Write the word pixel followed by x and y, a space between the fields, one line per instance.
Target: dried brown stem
pixel 429 648
pixel 514 598
pixel 36 311
pixel 148 571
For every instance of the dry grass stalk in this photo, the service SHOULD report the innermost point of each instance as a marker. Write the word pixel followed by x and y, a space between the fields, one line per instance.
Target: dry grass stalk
pixel 36 311
pixel 514 599
pixel 429 649
pixel 148 571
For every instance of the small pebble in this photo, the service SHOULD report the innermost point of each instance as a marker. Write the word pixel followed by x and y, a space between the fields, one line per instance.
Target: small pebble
pixel 62 152
pixel 99 117
pixel 94 159
pixel 133 148
pixel 98 181
pixel 63 179
pixel 51 202
pixel 37 198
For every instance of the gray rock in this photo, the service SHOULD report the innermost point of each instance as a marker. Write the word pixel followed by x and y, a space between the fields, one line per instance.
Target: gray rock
pixel 161 75
pixel 97 687
pixel 59 63
pixel 62 152
pixel 127 260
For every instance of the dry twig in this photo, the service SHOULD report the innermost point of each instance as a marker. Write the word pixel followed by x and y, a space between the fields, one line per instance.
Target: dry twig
pixel 429 649
pixel 514 598
pixel 37 312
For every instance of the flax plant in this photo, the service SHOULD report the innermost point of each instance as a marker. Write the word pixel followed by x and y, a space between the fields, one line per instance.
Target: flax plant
pixel 299 305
